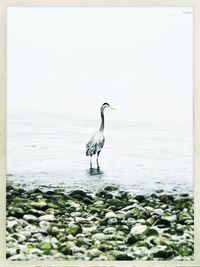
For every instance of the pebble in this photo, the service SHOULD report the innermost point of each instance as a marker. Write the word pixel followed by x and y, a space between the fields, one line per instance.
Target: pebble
pixel 30 218
pixel 138 230
pixel 111 225
pixel 48 218
pixel 110 214
pixel 87 230
pixel 112 221
pixel 99 236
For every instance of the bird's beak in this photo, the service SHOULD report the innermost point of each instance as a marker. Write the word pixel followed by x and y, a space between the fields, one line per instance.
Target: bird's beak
pixel 112 108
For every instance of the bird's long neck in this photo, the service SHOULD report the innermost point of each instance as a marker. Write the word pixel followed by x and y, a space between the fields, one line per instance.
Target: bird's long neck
pixel 102 121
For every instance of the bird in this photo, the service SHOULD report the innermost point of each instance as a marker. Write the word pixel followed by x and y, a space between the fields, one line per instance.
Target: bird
pixel 97 140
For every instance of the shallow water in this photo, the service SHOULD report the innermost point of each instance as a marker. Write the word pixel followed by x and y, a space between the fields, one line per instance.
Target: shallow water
pixel 49 150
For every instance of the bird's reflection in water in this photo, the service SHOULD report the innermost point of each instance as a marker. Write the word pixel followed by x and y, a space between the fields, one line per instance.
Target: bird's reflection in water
pixel 93 171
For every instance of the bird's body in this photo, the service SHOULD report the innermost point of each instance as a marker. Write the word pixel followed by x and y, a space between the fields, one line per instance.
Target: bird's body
pixel 95 143
pixel 97 140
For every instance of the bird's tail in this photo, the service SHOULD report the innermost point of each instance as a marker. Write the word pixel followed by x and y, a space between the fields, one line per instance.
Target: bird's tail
pixel 88 152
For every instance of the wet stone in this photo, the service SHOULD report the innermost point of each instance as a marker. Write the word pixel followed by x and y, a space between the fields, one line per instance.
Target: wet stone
pixel 113 225
pixel 112 221
pixel 152 232
pixel 48 218
pixel 110 188
pixel 140 198
pixel 138 230
pixel 162 223
pixel 110 214
pixel 30 218
pixel 166 199
pixel 72 229
pixel 45 245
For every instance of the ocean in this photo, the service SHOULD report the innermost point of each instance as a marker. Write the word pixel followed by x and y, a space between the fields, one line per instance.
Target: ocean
pixel 48 150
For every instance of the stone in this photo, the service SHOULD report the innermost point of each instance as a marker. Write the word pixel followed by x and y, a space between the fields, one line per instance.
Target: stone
pixel 101 258
pixel 81 220
pixel 94 252
pixel 38 236
pixel 112 221
pixel 11 224
pixel 30 218
pixel 110 188
pixel 120 214
pixel 162 223
pixel 158 212
pixel 11 251
pixel 161 240
pixel 75 214
pixel 159 191
pixel 98 203
pixel 130 207
pixel 87 230
pixel 105 247
pixel 140 198
pixel 44 226
pixel 138 230
pixel 166 199
pixel 40 204
pixel 16 211
pixel 130 221
pixel 36 212
pixel 141 221
pixel 72 229
pixel 152 232
pixel 114 202
pixel 183 216
pixel 99 236
pixel 31 228
pixel 83 241
pixel 18 257
pixel 109 230
pixel 163 253
pixel 184 195
pixel 185 251
pixel 114 225
pixel 125 257
pixel 110 214
pixel 170 218
pixel 19 237
pixel 78 193
pixel 142 243
pixel 150 209
pixel 45 245
pixel 48 217
pixel 67 247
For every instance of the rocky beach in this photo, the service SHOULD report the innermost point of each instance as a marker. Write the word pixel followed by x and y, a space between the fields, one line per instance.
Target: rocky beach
pixel 110 224
pixel 99 134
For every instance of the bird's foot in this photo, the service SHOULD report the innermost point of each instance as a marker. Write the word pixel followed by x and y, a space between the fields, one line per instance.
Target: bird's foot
pixel 91 169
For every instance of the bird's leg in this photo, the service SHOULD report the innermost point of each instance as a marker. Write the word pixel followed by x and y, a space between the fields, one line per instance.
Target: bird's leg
pixel 90 162
pixel 98 160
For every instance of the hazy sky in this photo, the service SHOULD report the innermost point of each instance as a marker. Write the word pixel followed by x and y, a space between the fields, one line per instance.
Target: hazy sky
pixel 71 60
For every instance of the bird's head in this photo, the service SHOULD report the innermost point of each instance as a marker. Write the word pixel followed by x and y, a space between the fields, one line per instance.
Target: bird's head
pixel 106 105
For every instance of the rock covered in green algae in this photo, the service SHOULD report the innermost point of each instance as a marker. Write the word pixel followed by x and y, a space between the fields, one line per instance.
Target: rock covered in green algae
pixel 112 225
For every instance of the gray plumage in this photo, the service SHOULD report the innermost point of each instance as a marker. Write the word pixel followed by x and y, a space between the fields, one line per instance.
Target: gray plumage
pixel 95 143
pixel 97 140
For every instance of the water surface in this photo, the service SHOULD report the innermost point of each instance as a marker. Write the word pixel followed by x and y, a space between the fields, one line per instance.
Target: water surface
pixel 49 150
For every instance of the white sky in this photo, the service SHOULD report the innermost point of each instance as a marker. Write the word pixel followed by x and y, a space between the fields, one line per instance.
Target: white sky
pixel 71 60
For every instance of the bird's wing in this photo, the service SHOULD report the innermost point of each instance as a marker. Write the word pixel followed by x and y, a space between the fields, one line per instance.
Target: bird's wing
pixel 90 148
pixel 95 144
pixel 100 144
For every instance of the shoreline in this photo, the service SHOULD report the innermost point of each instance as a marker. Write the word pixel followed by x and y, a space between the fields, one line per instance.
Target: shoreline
pixel 111 224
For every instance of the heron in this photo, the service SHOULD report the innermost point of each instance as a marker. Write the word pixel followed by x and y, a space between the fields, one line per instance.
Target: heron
pixel 97 140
